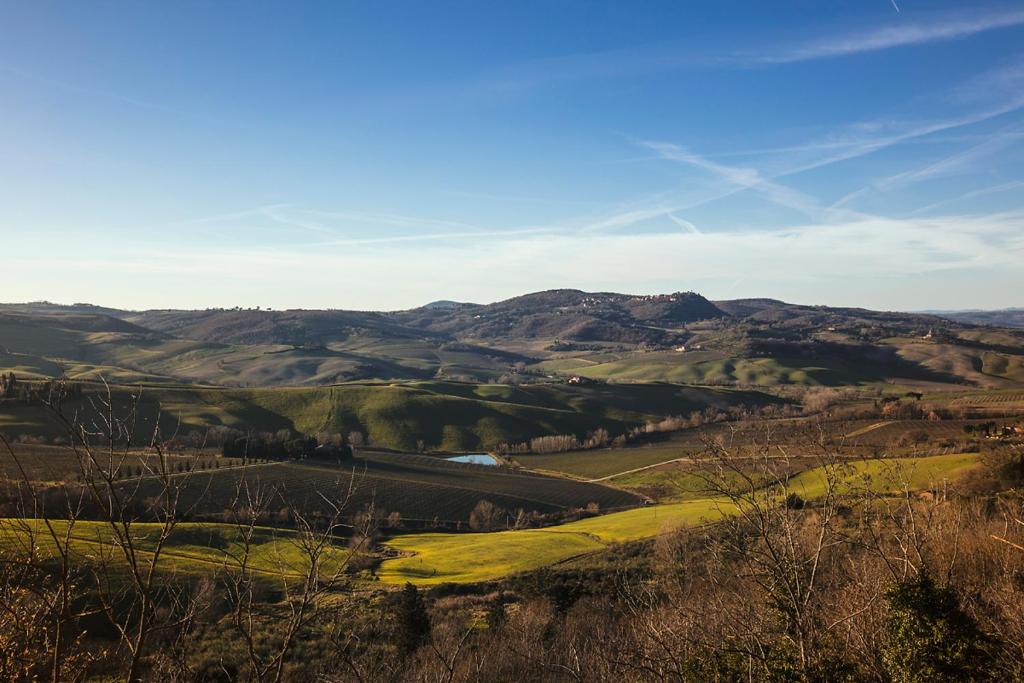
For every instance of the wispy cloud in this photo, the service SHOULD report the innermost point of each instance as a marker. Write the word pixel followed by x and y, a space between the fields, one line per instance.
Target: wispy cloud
pixel 954 163
pixel 874 143
pixel 973 194
pixel 342 225
pixel 435 237
pixel 625 218
pixel 638 60
pixel 740 178
pixel 684 224
pixel 890 37
pixel 102 94
pixel 810 262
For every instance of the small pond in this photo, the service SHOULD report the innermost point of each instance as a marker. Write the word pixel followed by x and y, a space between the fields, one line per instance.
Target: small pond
pixel 475 459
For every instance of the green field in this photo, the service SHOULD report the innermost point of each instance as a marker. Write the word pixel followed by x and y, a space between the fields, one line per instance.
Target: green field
pixel 668 366
pixel 436 558
pixel 703 367
pixel 674 482
pixel 192 547
pixel 439 558
pixel 885 476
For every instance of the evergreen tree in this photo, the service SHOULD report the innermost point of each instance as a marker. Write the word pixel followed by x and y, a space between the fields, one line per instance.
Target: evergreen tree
pixel 413 627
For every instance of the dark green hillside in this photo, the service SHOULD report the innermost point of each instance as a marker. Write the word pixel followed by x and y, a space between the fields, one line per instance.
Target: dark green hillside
pixel 436 415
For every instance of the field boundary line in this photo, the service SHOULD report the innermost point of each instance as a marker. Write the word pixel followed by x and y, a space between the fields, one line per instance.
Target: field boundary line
pixel 869 428
pixel 640 469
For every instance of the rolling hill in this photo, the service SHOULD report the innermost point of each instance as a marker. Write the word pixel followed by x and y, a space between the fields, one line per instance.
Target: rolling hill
pixel 445 416
pixel 540 337
pixel 1005 317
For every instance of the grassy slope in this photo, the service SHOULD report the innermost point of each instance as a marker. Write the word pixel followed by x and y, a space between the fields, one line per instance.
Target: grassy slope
pixel 990 367
pixel 888 475
pixel 706 367
pixel 985 367
pixel 446 416
pixel 192 547
pixel 438 558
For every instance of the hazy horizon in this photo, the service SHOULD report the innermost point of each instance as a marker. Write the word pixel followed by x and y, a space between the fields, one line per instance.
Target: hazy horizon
pixel 934 311
pixel 351 156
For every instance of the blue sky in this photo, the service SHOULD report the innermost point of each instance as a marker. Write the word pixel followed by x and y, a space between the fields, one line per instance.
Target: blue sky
pixel 382 155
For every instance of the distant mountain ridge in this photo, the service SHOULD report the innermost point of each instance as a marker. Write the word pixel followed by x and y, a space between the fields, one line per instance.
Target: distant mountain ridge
pixel 567 314
pixel 446 304
pixel 543 336
pixel 1003 317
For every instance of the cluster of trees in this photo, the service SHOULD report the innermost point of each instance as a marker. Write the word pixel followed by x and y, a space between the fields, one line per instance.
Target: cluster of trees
pixel 13 388
pixel 559 443
pixel 280 445
pixel 487 516
pixel 8 384
pixel 712 415
pixel 991 428
pixel 600 438
pixel 285 445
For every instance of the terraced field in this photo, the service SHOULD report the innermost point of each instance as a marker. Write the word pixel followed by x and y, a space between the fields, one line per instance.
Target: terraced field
pixel 996 400
pixel 439 558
